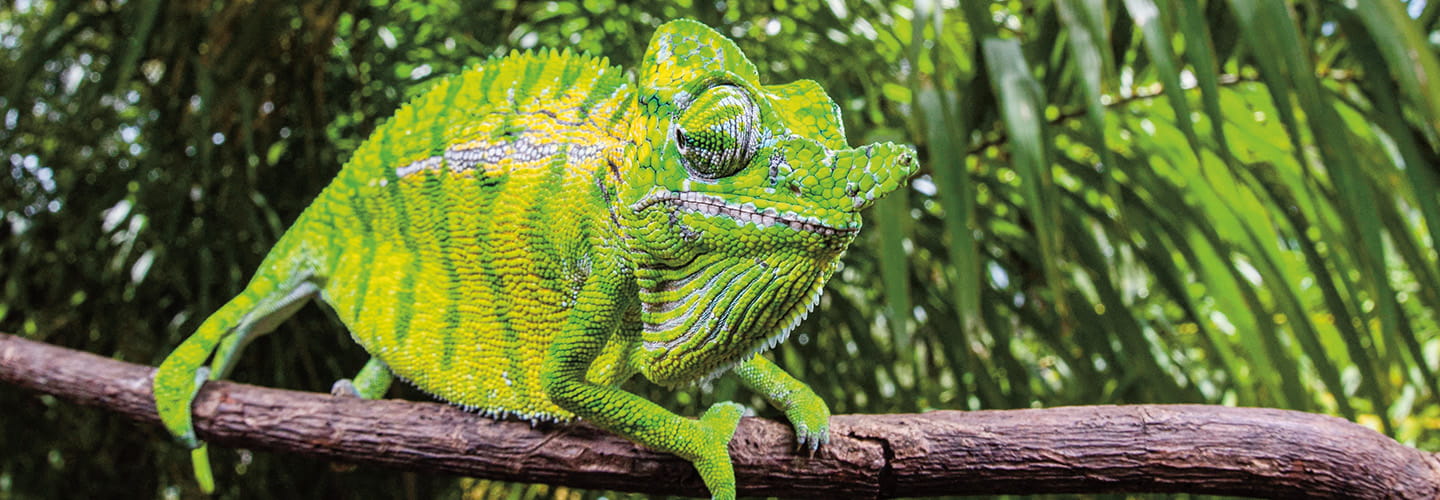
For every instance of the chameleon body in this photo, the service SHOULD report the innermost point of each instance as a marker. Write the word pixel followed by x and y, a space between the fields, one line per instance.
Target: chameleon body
pixel 530 233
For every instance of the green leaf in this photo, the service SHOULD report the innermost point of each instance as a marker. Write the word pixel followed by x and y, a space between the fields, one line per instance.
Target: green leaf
pixel 1021 109
pixel 1397 37
pixel 1085 20
pixel 1200 51
pixel 1148 16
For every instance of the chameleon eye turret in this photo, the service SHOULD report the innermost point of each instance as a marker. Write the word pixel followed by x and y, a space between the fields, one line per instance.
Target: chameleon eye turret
pixel 716 133
pixel 527 235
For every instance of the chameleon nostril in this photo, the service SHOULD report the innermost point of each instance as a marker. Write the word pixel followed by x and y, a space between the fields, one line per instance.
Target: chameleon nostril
pixel 795 188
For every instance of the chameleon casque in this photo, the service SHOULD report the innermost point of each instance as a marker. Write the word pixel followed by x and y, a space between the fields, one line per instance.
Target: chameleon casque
pixel 530 233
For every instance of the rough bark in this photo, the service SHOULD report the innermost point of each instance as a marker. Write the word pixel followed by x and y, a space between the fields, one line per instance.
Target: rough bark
pixel 1144 448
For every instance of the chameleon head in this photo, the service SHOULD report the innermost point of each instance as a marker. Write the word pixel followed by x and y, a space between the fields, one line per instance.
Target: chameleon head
pixel 741 201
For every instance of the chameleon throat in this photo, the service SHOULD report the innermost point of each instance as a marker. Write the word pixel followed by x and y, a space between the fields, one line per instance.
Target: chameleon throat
pixel 767 344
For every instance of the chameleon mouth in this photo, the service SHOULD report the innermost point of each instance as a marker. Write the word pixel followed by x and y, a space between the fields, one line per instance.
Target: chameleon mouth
pixel 708 205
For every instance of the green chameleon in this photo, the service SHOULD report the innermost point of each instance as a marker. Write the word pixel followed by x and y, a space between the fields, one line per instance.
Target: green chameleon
pixel 530 233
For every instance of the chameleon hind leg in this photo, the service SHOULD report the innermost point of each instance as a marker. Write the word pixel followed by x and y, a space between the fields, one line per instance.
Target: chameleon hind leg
pixel 705 443
pixel 224 334
pixel 808 413
pixel 371 383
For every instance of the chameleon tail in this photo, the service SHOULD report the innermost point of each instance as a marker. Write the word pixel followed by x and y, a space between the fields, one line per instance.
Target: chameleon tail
pixel 200 461
pixel 254 312
pixel 287 279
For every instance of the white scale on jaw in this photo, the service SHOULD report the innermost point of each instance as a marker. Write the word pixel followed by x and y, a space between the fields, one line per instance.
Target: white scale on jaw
pixel 746 213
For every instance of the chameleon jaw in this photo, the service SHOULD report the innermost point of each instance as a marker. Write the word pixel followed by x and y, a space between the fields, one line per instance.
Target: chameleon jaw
pixel 711 206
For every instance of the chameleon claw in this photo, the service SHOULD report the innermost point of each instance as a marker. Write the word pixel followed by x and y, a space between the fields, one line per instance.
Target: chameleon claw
pixel 811 441
pixel 820 441
pixel 344 388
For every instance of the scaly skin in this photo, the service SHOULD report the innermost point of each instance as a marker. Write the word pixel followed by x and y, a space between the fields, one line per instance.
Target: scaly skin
pixel 532 232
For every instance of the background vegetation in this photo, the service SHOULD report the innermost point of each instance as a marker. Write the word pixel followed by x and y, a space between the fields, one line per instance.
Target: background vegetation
pixel 1137 201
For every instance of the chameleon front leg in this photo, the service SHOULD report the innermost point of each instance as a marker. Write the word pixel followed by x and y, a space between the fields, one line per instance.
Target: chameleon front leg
pixel 808 413
pixel 256 311
pixel 371 383
pixel 705 443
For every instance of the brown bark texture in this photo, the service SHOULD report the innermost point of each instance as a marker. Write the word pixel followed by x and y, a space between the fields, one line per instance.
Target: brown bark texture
pixel 1255 452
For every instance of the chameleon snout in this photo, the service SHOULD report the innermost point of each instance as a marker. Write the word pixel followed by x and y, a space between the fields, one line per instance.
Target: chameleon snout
pixel 873 171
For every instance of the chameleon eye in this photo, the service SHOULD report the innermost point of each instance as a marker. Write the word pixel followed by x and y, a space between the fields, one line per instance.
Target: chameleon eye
pixel 716 133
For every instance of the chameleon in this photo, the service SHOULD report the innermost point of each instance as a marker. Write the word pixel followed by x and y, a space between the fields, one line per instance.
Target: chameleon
pixel 525 235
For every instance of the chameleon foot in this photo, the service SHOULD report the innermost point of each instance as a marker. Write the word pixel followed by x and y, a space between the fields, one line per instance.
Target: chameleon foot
pixel 371 383
pixel 344 388
pixel 807 413
pixel 810 417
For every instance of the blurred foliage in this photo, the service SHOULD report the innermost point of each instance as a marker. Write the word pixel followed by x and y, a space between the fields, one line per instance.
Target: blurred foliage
pixel 1137 201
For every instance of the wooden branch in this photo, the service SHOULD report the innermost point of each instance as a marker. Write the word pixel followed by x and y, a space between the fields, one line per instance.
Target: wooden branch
pixel 1145 448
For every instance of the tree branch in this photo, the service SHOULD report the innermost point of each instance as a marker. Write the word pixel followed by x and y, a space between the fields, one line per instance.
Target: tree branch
pixel 1145 448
